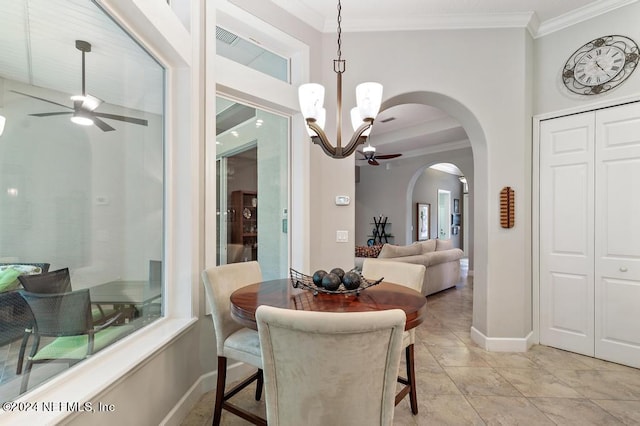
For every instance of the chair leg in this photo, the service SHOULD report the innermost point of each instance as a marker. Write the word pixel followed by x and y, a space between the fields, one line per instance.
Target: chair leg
pixel 259 385
pixel 23 348
pixel 25 376
pixel 222 378
pixel 411 378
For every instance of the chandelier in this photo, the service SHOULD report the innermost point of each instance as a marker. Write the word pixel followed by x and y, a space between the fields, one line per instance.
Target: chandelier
pixel 368 98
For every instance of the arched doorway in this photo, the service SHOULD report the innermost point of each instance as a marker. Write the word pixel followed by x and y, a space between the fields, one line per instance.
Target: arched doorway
pixel 478 186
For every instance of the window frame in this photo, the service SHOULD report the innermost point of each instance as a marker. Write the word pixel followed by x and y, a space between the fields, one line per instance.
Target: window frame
pixel 158 29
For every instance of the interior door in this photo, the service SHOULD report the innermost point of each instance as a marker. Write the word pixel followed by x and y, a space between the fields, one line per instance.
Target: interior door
pixel 567 233
pixel 617 215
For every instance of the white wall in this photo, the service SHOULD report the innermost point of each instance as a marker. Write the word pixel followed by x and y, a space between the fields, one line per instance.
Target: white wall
pixel 553 50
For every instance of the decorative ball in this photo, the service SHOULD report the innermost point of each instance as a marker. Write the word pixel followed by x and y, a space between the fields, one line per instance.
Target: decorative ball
pixel 331 281
pixel 317 277
pixel 351 280
pixel 339 272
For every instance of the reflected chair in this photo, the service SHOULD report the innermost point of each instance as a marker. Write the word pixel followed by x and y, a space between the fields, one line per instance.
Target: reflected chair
pixel 54 282
pixel 412 276
pixel 232 339
pixel 67 317
pixel 330 368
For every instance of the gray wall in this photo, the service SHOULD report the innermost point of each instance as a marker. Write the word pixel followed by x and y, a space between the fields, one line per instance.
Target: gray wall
pixel 426 191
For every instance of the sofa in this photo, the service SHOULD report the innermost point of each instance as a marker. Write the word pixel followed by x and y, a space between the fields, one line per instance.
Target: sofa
pixel 440 258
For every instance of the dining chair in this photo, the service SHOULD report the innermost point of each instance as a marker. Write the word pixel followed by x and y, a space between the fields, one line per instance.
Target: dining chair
pixel 232 339
pixel 51 282
pixel 408 275
pixel 330 368
pixel 67 317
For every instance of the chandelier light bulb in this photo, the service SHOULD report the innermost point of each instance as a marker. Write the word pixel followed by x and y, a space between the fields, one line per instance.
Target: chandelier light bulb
pixel 3 120
pixel 369 99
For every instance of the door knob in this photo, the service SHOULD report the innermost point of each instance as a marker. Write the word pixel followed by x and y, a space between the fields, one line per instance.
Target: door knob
pixel 623 269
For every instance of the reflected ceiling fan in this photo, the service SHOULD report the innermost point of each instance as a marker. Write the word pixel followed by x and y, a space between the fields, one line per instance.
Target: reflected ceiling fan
pixel 369 154
pixel 84 106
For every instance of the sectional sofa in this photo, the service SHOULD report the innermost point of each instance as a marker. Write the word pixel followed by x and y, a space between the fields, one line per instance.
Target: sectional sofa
pixel 440 258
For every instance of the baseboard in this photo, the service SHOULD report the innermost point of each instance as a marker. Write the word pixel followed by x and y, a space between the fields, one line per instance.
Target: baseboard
pixel 502 344
pixel 204 384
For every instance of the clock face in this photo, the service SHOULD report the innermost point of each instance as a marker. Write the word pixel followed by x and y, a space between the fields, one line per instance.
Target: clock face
pixel 600 65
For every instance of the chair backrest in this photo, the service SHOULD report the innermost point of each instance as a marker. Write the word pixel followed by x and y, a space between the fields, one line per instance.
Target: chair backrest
pixel 323 368
pixel 61 314
pixel 219 283
pixel 406 274
pixel 44 267
pixel 58 281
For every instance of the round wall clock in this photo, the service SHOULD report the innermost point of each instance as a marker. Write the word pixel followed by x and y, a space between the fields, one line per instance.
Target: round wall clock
pixel 600 65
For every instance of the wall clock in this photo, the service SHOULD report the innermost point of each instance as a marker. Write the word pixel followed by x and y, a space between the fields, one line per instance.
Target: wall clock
pixel 600 65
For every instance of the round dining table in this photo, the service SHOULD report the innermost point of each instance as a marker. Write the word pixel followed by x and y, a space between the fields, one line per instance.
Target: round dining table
pixel 281 294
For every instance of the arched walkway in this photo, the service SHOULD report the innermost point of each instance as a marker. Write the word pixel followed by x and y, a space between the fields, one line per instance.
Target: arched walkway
pixel 478 186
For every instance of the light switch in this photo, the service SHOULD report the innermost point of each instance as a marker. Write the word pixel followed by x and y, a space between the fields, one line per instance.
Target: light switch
pixel 342 236
pixel 342 200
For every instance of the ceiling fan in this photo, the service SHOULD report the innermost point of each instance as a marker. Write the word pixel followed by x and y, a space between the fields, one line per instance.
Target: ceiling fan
pixel 369 154
pixel 84 106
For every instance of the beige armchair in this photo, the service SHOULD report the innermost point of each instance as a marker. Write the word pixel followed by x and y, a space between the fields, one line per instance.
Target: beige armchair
pixel 232 339
pixel 408 275
pixel 328 368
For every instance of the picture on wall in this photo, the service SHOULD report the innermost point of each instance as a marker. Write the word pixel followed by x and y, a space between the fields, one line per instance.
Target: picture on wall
pixel 423 219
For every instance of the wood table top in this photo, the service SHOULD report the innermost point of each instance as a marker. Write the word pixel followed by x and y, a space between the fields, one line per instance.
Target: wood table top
pixel 280 293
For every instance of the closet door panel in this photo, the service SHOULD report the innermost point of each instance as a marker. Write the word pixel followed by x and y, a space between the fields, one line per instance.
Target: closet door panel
pixel 566 228
pixel 617 239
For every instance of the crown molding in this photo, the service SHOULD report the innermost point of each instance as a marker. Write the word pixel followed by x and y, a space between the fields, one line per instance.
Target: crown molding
pixel 579 15
pixel 435 22
pixel 528 20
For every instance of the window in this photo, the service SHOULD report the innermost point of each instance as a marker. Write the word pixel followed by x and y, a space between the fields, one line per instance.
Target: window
pixel 245 52
pixel 89 199
pixel 252 187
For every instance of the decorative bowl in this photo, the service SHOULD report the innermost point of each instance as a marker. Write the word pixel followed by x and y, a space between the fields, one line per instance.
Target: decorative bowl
pixel 300 280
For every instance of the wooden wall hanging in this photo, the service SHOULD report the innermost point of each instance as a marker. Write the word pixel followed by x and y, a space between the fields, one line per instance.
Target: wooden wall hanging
pixel 507 209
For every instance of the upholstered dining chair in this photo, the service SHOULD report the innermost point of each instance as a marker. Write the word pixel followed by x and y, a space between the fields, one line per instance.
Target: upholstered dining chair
pixel 408 275
pixel 67 317
pixel 330 368
pixel 232 339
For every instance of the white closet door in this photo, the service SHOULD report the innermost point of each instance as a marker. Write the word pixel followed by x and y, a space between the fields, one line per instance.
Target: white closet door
pixel 617 260
pixel 567 233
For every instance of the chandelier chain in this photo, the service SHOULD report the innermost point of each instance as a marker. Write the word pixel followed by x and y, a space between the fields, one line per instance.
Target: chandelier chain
pixel 339 31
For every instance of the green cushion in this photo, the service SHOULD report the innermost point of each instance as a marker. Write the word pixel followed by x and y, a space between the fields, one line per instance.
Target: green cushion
pixel 9 279
pixel 75 347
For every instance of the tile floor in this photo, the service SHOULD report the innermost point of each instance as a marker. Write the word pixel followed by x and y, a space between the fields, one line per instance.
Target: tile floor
pixel 461 384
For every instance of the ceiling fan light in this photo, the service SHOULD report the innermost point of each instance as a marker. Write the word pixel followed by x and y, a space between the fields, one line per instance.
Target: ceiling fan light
pixel 311 98
pixel 356 121
pixel 368 148
pixel 3 120
pixel 81 119
pixel 369 99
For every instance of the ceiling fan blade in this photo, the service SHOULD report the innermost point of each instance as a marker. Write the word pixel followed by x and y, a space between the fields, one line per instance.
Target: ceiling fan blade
pixel 387 156
pixel 47 114
pixel 41 99
pixel 102 125
pixel 122 118
pixel 373 162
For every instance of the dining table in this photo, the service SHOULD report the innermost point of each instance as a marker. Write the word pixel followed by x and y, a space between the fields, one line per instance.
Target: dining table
pixel 281 293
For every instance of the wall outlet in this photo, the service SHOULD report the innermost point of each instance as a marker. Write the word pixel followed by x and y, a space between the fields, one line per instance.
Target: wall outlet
pixel 342 236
